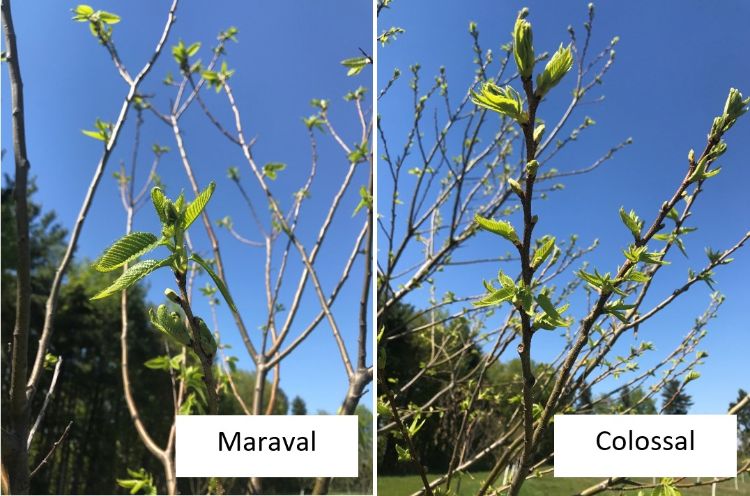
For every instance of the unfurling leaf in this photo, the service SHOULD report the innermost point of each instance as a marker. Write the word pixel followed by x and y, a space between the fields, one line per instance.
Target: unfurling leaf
pixel 556 68
pixel 640 254
pixel 505 101
pixel 359 153
pixel 160 202
pixel 365 200
pixel 734 107
pixel 125 250
pixel 94 134
pixel 181 53
pixel 496 297
pixel 102 133
pixel 636 276
pixel 543 252
pixel 82 13
pixel 108 17
pixel 403 453
pixel 141 481
pixel 551 317
pixel 692 376
pixel 271 169
pixel 501 227
pixel 632 222
pixel 133 275
pixel 170 324
pixel 162 362
pixel 195 207
pixel 355 65
pixel 206 339
pixel 701 171
pixel 617 310
pixel 50 361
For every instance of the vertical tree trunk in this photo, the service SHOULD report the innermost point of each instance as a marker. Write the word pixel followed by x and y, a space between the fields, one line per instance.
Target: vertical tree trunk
pixel 15 454
pixel 261 372
pixel 356 388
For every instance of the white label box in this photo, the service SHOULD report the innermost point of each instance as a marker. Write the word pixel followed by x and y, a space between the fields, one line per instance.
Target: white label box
pixel 645 445
pixel 266 446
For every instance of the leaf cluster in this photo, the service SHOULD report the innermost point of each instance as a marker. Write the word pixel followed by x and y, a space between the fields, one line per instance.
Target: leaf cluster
pixel 100 21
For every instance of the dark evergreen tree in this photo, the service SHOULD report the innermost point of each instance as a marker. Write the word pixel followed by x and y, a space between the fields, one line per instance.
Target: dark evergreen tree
pixel 675 401
pixel 298 406
pixel 743 425
pixel 625 399
pixel 583 405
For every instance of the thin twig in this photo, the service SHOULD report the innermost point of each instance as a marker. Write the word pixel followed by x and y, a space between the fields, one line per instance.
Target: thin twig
pixel 51 452
pixel 50 394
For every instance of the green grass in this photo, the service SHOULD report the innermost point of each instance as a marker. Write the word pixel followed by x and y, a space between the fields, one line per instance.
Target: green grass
pixel 469 485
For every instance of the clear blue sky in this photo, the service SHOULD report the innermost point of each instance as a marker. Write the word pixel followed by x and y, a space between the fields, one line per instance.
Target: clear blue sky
pixel 288 53
pixel 675 64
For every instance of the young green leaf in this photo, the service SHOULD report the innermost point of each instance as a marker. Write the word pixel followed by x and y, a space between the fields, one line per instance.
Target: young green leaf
pixel 82 13
pixel 505 101
pixel 365 200
pixel 108 17
pixel 170 324
pixel 133 275
pixel 229 34
pixel 617 310
pixel 636 276
pixel 499 296
pixel 692 376
pixel 556 68
pixel 193 49
pixel 97 135
pixel 547 306
pixel 219 283
pixel 314 122
pixel 206 339
pixel 160 202
pixel 271 169
pixel 501 227
pixel 125 250
pixel 355 65
pixel 159 363
pixel 103 130
pixel 632 222
pixel 551 317
pixel 543 252
pixel 195 207
pixel 506 280
pixel 359 153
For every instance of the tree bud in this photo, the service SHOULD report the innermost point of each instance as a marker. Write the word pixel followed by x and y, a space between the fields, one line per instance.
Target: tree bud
pixel 539 133
pixel 172 296
pixel 523 48
pixel 515 187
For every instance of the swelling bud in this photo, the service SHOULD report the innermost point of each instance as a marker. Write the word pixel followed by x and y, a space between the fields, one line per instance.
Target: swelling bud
pixel 172 296
pixel 523 48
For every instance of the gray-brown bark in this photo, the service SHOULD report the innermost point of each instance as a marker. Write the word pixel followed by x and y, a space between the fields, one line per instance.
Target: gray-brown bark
pixel 15 453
